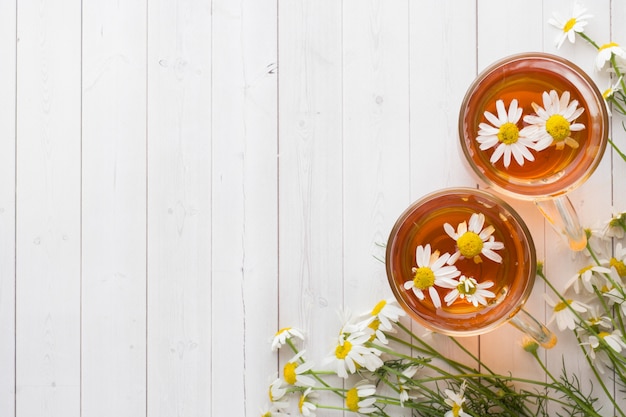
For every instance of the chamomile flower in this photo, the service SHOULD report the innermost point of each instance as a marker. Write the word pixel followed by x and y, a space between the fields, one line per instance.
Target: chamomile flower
pixel 350 354
pixel 614 340
pixel 455 401
pixel 474 240
pixel 284 334
pixel 470 290
pixel 615 226
pixel 305 406
pixel 617 296
pixel 563 314
pixel 387 312
pixel 587 277
pixel 360 398
pixel 610 92
pixel 432 270
pixel 606 51
pixel 277 391
pixel 569 27
pixel 617 262
pixel 294 371
pixel 274 411
pixel 555 121
pixel 505 135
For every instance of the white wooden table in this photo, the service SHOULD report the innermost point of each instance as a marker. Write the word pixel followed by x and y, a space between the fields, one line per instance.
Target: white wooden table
pixel 178 180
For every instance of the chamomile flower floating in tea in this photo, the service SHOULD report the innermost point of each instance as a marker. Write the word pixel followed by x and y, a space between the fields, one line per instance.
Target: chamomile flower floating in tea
pixel 571 26
pixel 505 135
pixel 555 121
pixel 471 291
pixel 432 270
pixel 475 240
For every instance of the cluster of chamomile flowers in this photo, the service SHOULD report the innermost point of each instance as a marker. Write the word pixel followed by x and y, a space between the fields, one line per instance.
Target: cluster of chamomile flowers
pixel 439 270
pixel 552 124
pixel 356 357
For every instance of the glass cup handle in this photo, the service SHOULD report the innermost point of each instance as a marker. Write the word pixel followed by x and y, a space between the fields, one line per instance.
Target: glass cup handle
pixel 560 213
pixel 529 325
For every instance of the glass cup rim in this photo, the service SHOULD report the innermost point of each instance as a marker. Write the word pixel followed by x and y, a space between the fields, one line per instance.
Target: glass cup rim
pixel 461 191
pixel 593 89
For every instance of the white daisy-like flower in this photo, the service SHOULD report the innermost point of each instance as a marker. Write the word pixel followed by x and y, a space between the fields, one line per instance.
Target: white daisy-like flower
pixel 284 334
pixel 563 314
pixel 569 27
pixel 614 340
pixel 610 92
pixel 351 354
pixel 455 401
pixel 505 135
pixel 360 398
pixel 554 122
pixel 474 240
pixel 294 371
pixel 274 411
pixel 387 312
pixel 617 296
pixel 606 51
pixel 598 321
pixel 471 291
pixel 618 261
pixel 432 270
pixel 587 277
pixel 615 226
pixel 277 391
pixel 305 406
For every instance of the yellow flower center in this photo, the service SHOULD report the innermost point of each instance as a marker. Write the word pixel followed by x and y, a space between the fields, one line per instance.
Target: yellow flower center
pixel 508 133
pixel 585 269
pixel 470 244
pixel 456 410
pixel 562 305
pixel 619 267
pixel 301 403
pixel 342 350
pixel 424 278
pixel 569 25
pixel 378 308
pixel 602 335
pixel 558 127
pixel 289 371
pixel 463 288
pixel 607 46
pixel 607 93
pixel 284 329
pixel 268 414
pixel 352 400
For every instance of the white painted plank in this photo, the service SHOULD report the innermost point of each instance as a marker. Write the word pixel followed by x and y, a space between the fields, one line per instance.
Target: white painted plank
pixel 311 282
pixel 505 29
pixel 376 160
pixel 114 209
pixel 179 210
pixel 8 41
pixel 442 65
pixel 48 210
pixel 244 243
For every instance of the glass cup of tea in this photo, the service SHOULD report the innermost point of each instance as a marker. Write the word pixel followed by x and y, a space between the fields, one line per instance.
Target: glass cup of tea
pixel 534 126
pixel 461 262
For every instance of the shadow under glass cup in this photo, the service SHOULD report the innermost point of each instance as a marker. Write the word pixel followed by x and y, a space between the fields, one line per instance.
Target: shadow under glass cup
pixel 513 278
pixel 554 172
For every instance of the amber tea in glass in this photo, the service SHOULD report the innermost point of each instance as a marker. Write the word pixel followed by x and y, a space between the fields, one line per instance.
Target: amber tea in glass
pixel 525 77
pixel 513 278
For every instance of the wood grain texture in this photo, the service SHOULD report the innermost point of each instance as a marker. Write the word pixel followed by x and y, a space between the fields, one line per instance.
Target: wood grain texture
pixel 8 79
pixel 48 208
pixel 179 209
pixel 113 178
pixel 244 204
